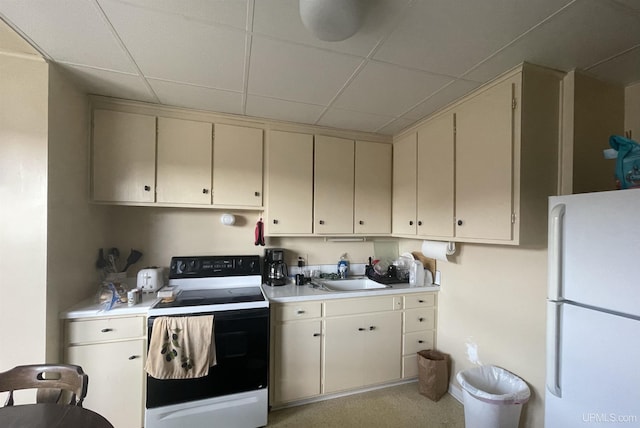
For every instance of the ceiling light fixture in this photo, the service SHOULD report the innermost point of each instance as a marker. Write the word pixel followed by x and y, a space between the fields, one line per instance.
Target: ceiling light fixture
pixel 331 20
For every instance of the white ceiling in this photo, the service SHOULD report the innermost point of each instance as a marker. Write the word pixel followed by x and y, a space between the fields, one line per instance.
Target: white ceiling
pixel 254 57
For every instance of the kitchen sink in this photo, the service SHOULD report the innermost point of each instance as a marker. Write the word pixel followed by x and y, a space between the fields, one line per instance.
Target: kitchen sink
pixel 348 284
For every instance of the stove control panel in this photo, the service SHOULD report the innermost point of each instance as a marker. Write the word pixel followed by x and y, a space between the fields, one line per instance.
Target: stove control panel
pixel 213 266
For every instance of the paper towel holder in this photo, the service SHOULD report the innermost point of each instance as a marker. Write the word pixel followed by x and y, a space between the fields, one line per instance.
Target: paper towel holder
pixel 451 248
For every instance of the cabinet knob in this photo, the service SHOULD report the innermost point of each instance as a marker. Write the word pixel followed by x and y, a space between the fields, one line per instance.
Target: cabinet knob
pixel 419 223
pixel 459 222
pixel 361 329
pixel 316 334
pixel 420 341
pixel 300 312
pixel 420 319
pixel 321 221
pixel 147 188
pixel 361 222
pixel 420 301
pixel 133 357
pixel 373 327
pixel 106 330
pixel 256 193
pixel 410 222
pixel 275 221
pixel 205 191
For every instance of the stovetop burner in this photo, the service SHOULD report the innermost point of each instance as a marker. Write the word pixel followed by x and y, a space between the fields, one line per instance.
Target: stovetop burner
pixel 215 296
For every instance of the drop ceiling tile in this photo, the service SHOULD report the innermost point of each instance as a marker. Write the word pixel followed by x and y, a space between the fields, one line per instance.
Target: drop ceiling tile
pixel 389 90
pixel 355 120
pixel 395 127
pixel 281 19
pixel 631 4
pixel 297 73
pixel 197 97
pixel 175 48
pixel 228 12
pixel 70 31
pixel 449 38
pixel 272 108
pixel 109 83
pixel 441 98
pixel 595 35
pixel 622 69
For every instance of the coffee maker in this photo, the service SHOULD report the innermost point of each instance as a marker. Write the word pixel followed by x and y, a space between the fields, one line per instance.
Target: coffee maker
pixel 275 269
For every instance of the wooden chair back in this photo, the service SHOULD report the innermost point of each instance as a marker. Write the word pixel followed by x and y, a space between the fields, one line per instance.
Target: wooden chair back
pixel 55 383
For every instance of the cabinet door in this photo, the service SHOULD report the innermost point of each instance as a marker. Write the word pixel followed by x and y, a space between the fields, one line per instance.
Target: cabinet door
pixel 362 350
pixel 237 166
pixel 184 161
pixel 297 360
pixel 116 379
pixel 123 157
pixel 484 150
pixel 290 183
pixel 404 186
pixel 372 204
pixel 333 185
pixel 436 177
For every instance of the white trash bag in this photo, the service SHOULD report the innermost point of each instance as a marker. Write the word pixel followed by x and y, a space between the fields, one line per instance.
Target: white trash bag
pixel 493 397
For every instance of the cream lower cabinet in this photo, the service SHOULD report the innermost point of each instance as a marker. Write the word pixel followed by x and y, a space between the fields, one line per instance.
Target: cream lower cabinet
pixel 111 351
pixel 419 330
pixel 297 351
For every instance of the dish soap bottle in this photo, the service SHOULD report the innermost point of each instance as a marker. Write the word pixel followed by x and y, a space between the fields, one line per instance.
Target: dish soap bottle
pixel 343 266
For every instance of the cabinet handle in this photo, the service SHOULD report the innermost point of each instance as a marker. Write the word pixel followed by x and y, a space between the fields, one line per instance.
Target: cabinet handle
pixel 106 330
pixel 420 319
pixel 300 312
pixel 205 191
pixel 256 193
pixel 410 222
pixel 361 222
pixel 361 329
pixel 275 221
pixel 321 222
pixel 419 223
pixel 133 357
pixel 420 301
pixel 316 334
pixel 373 327
pixel 147 188
pixel 459 222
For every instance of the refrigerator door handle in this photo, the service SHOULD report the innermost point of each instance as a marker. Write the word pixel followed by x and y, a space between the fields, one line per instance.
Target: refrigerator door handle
pixel 556 219
pixel 554 343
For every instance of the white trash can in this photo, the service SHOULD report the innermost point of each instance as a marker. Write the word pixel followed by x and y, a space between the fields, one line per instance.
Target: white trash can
pixel 493 397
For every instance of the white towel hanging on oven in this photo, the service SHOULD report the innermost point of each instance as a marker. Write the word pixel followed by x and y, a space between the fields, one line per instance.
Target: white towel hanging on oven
pixel 181 347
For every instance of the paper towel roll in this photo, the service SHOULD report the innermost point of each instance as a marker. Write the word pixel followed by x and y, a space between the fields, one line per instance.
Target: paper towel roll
pixel 438 250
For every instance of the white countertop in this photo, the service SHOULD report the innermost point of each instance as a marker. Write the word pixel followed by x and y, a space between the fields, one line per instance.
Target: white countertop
pixel 297 293
pixel 89 308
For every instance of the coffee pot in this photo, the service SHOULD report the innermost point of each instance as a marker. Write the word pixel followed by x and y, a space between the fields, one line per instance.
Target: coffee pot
pixel 275 269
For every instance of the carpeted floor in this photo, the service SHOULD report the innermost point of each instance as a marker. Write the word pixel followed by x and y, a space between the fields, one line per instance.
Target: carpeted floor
pixel 397 406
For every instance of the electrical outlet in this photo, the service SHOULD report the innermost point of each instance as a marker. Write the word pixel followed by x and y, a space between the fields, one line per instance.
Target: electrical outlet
pixel 304 259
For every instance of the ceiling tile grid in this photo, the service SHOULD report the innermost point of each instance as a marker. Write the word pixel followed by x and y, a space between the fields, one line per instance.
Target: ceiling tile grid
pixel 409 59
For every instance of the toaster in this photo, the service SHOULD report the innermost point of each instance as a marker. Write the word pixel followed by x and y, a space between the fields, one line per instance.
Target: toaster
pixel 150 279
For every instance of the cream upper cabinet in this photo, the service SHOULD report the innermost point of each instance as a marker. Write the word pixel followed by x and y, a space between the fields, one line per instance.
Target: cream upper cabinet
pixel 289 163
pixel 404 185
pixel 237 166
pixel 435 181
pixel 184 161
pixel 484 183
pixel 123 157
pixel 333 185
pixel 372 204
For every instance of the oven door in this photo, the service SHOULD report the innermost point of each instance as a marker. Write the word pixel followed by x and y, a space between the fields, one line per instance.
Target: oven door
pixel 242 353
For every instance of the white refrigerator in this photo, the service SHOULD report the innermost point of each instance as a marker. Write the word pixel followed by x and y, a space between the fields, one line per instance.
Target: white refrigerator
pixel 593 310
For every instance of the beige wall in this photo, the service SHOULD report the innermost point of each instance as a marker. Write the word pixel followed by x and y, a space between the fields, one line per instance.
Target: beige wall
pixel 75 228
pixel 493 299
pixel 23 210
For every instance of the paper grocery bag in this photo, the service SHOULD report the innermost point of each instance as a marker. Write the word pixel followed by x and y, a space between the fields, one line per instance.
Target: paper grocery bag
pixel 433 373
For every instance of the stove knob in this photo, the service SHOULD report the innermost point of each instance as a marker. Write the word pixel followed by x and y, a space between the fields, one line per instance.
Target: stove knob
pixel 182 266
